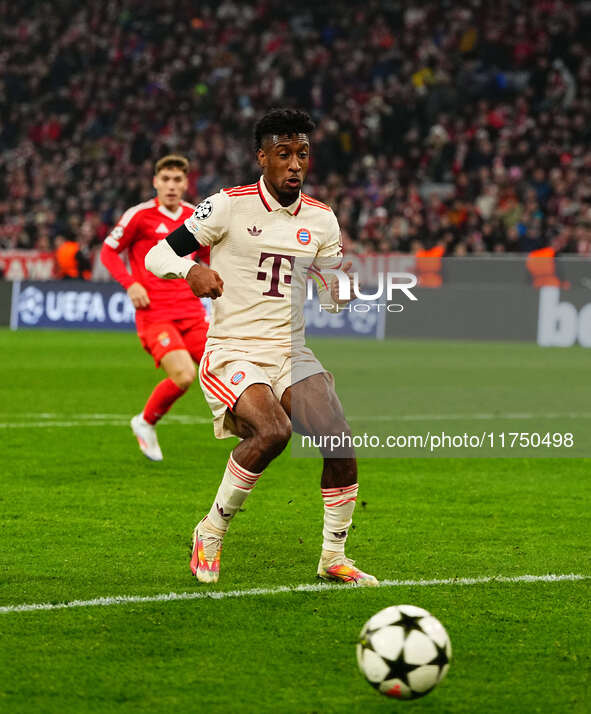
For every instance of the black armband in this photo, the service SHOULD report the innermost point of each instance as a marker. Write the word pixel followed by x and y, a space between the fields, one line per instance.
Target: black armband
pixel 182 241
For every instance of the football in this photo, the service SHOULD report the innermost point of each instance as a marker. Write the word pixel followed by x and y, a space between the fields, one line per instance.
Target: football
pixel 404 652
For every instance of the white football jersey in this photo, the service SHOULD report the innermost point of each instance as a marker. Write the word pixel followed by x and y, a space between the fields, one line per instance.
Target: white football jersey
pixel 258 247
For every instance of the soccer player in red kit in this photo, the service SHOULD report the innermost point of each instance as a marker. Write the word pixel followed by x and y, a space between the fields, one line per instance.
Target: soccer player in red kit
pixel 171 322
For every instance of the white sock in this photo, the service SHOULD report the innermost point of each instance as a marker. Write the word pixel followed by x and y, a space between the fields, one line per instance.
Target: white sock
pixel 236 484
pixel 339 504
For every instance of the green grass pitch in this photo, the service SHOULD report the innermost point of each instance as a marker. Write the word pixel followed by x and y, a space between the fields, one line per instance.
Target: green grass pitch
pixel 84 515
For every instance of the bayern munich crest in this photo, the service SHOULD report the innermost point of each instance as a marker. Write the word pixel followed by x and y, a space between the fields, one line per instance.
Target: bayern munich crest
pixel 203 210
pixel 237 377
pixel 304 236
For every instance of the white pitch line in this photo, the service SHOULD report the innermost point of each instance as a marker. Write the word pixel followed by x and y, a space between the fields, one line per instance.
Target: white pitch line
pixel 468 417
pixel 48 420
pixel 52 421
pixel 92 417
pixel 60 424
pixel 280 589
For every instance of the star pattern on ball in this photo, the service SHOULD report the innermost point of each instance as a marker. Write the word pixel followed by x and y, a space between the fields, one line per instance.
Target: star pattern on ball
pixel 399 668
pixel 393 648
pixel 409 623
pixel 441 658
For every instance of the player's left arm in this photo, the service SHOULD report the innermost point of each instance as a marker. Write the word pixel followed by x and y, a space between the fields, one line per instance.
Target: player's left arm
pixel 166 259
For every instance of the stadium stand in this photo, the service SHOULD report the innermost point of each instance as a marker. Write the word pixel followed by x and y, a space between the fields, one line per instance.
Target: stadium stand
pixel 459 125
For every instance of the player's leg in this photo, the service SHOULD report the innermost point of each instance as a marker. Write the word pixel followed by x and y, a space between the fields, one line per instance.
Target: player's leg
pixel 264 429
pixel 179 364
pixel 166 345
pixel 315 409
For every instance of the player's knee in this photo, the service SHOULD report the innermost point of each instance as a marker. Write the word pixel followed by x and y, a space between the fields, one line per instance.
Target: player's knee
pixel 274 434
pixel 184 378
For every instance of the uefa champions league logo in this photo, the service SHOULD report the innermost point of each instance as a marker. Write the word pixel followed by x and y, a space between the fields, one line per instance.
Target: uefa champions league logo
pixel 203 210
pixel 30 305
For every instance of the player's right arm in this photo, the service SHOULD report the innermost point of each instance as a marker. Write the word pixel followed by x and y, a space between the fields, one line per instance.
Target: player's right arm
pixel 116 242
pixel 205 227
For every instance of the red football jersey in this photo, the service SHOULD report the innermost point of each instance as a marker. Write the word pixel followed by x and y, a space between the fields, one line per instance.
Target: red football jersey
pixel 138 229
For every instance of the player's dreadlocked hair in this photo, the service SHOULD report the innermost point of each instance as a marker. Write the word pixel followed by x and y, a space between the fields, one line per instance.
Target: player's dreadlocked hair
pixel 280 122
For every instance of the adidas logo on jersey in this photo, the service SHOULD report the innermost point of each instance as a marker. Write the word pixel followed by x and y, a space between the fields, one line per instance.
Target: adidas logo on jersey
pixel 254 231
pixel 162 229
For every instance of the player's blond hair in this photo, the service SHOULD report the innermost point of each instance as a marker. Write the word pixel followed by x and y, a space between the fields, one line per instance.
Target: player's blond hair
pixel 172 161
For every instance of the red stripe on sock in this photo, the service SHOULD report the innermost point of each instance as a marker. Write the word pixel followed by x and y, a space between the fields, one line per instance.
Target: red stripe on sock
pixel 249 482
pixel 340 503
pixel 339 491
pixel 242 478
pixel 242 470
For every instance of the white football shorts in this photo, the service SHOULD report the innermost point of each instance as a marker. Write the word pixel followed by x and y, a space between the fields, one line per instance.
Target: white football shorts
pixel 225 372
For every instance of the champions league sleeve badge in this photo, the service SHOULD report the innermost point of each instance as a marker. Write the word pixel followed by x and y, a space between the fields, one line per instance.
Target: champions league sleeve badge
pixel 203 210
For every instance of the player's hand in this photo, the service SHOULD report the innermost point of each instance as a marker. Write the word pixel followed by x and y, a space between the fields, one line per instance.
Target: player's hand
pixel 138 295
pixel 205 282
pixel 334 286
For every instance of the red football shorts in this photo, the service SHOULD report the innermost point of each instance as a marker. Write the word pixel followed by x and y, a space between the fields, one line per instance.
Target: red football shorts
pixel 160 338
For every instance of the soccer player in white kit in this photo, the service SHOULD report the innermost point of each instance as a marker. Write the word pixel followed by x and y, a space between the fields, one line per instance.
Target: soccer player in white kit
pixel 256 233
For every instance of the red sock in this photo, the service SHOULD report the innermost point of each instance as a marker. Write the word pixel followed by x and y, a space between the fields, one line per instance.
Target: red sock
pixel 162 398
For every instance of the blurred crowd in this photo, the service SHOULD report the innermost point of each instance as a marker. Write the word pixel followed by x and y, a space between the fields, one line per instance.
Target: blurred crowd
pixel 459 124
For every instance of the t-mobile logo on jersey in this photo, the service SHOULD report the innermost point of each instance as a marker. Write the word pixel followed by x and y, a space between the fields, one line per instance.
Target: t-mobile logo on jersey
pixel 278 259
